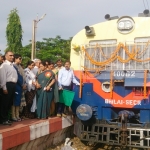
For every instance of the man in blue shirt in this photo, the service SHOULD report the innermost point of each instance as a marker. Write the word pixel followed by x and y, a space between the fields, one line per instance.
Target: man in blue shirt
pixel 65 79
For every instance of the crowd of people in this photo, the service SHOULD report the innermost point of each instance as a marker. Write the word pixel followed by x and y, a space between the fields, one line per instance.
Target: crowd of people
pixel 33 91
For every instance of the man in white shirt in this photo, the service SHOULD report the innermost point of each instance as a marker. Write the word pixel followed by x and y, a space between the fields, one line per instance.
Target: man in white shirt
pixel 8 79
pixel 37 65
pixel 65 79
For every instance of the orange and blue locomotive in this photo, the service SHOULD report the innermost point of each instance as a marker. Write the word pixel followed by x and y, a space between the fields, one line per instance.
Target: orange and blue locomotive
pixel 111 60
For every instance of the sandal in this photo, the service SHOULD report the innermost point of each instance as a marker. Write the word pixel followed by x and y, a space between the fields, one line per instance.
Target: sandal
pixel 24 118
pixel 14 119
pixel 19 119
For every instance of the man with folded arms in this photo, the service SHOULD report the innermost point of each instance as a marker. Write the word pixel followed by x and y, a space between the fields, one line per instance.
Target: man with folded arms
pixel 8 79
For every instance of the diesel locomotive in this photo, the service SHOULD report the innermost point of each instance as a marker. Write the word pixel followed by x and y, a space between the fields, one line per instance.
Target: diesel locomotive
pixel 111 60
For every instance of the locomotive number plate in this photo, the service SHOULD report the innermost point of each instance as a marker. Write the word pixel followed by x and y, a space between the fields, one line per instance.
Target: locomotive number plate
pixel 124 73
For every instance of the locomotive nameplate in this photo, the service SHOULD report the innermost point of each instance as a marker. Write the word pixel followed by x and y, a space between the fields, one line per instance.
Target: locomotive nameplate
pixel 123 102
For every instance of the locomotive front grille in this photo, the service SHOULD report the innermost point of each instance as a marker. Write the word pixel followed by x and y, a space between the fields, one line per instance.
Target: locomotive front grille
pixel 110 134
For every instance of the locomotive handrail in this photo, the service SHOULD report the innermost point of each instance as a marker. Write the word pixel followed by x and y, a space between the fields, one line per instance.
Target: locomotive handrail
pixel 111 83
pixel 145 80
pixel 81 82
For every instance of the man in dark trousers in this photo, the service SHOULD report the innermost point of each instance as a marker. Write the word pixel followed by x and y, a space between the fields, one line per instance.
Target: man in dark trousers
pixel 65 80
pixel 8 79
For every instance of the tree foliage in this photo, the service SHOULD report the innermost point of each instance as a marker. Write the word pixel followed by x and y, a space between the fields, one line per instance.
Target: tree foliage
pixel 48 49
pixel 14 32
pixel 26 54
pixel 53 49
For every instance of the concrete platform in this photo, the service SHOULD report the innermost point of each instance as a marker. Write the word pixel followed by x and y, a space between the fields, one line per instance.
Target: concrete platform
pixel 28 130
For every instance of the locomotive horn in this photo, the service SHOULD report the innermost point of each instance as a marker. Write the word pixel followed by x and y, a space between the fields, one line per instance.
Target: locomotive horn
pixel 107 16
pixel 146 11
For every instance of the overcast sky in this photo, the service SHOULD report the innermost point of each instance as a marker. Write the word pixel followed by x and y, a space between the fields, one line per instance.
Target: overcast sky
pixel 63 17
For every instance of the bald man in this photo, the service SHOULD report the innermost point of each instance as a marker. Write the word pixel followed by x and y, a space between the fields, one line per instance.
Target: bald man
pixel 37 65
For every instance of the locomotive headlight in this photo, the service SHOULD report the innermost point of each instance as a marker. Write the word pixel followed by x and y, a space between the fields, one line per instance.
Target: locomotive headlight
pixel 121 25
pixel 106 87
pixel 84 112
pixel 128 25
pixel 125 25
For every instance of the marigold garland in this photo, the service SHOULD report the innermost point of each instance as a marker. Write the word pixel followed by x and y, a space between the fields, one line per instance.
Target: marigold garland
pixel 131 55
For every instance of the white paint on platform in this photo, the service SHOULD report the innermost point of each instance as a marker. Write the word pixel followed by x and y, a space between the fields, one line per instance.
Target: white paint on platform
pixel 39 130
pixel 57 137
pixel 1 141
pixel 66 122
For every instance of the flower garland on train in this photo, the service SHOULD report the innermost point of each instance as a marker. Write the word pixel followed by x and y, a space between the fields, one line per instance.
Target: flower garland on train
pixel 131 56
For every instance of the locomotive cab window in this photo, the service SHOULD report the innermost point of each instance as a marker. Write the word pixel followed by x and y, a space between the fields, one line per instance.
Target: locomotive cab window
pixel 100 51
pixel 103 42
pixel 141 39
pixel 141 49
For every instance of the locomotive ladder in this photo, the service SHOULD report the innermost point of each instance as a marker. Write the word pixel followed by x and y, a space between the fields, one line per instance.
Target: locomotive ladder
pixel 111 83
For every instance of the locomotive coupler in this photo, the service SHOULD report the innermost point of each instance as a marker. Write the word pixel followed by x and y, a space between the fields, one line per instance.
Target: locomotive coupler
pixel 123 130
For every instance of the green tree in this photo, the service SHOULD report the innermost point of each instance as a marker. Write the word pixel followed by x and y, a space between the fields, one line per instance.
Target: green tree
pixel 48 49
pixel 53 49
pixel 14 32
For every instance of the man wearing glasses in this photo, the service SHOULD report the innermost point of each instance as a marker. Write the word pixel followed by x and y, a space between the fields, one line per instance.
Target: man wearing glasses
pixel 8 79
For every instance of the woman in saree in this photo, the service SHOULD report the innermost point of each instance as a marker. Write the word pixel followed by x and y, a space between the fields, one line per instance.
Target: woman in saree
pixel 55 99
pixel 46 80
